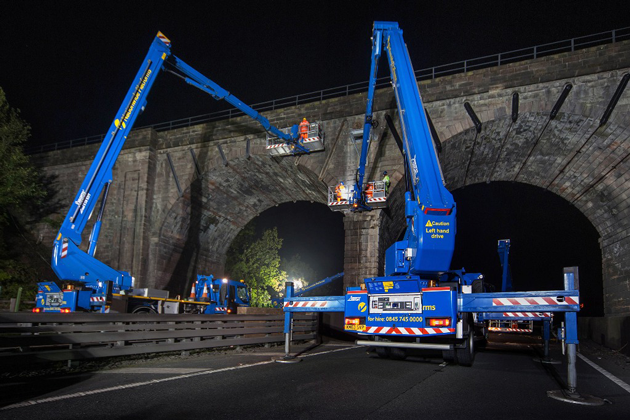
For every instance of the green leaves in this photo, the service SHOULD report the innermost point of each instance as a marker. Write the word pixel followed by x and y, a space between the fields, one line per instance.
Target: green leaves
pixel 20 194
pixel 18 179
pixel 258 263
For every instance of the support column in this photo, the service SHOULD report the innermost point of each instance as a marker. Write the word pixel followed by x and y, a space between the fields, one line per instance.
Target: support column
pixel 362 246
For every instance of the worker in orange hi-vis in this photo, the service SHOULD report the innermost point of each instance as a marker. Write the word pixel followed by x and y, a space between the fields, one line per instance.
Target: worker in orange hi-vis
pixel 369 193
pixel 339 190
pixel 304 129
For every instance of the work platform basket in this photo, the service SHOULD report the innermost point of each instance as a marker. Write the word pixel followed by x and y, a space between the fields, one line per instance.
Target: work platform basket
pixel 314 142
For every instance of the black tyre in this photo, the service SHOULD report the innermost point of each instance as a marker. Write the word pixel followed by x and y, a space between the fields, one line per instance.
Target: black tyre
pixel 382 352
pixel 466 355
pixel 397 353
pixel 141 309
pixel 449 356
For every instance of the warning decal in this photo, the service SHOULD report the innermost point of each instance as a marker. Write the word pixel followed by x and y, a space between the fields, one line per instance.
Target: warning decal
pixel 437 230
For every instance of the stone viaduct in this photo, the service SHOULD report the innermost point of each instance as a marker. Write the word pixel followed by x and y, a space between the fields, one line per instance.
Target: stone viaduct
pixel 181 196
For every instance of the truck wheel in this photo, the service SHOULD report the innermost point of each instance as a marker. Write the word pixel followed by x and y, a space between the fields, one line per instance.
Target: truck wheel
pixel 141 309
pixel 397 353
pixel 382 352
pixel 449 356
pixel 466 355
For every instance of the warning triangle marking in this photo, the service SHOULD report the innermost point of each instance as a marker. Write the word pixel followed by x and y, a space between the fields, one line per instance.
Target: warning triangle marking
pixel 428 224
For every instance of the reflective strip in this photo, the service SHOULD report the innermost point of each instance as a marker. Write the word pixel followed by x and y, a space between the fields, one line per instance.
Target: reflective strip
pixel 377 199
pixel 97 299
pixel 164 39
pixel 337 203
pixel 508 329
pixel 273 146
pixel 409 331
pixel 436 289
pixel 306 304
pixel 64 249
pixel 568 300
pixel 528 314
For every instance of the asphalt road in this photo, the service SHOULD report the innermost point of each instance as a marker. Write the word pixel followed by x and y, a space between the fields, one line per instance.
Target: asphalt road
pixel 333 381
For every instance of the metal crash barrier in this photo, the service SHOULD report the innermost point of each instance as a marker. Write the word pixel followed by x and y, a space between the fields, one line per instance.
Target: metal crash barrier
pixel 26 337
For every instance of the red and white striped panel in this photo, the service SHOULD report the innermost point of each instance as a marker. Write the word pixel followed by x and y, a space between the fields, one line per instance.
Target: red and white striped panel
pixel 409 331
pixel 337 203
pixel 527 314
pixel 97 299
pixel 220 309
pixel 164 39
pixel 311 139
pixel 64 249
pixel 306 304
pixel 376 200
pixel 568 300
pixel 274 146
pixel 509 329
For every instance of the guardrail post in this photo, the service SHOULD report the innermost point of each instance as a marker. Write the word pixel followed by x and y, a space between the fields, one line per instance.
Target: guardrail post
pixel 571 282
pixel 288 328
pixel 15 303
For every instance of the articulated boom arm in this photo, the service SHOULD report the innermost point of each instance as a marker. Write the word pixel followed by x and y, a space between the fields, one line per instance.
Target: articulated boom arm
pixel 68 261
pixel 194 78
pixel 430 211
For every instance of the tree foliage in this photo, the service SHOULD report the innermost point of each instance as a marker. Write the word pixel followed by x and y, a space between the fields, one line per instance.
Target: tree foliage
pixel 258 263
pixel 20 191
pixel 18 179
pixel 298 269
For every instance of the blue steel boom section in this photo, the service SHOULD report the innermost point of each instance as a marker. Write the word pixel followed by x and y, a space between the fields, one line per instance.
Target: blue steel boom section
pixel 73 264
pixel 430 209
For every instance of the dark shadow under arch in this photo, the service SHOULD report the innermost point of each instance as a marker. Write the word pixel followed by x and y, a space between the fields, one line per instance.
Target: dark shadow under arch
pixel 546 232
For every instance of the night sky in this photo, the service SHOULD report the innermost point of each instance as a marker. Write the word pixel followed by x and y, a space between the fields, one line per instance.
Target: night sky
pixel 68 64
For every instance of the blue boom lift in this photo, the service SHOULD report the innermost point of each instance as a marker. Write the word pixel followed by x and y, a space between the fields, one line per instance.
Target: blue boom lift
pixel 421 303
pixel 279 302
pixel 87 284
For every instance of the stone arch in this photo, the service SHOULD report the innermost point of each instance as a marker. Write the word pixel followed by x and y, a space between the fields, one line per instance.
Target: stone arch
pixel 570 156
pixel 200 225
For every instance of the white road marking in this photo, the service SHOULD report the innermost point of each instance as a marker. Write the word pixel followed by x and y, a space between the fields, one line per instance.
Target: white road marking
pixel 153 381
pixel 607 374
pixel 152 370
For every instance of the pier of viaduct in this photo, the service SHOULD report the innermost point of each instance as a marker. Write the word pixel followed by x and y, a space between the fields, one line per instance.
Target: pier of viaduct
pixel 181 196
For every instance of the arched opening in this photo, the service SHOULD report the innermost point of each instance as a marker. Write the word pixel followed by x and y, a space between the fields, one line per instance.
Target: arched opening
pixel 314 233
pixel 546 234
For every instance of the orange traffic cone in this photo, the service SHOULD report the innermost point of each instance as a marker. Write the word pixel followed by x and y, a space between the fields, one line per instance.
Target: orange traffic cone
pixel 192 292
pixel 204 296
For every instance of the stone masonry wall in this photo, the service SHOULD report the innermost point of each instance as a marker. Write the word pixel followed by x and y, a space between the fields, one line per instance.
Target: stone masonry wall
pixel 164 233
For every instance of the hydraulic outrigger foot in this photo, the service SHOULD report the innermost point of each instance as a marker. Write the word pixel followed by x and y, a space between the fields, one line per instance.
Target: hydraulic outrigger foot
pixel 546 336
pixel 570 394
pixel 287 356
pixel 288 331
pixel 569 336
